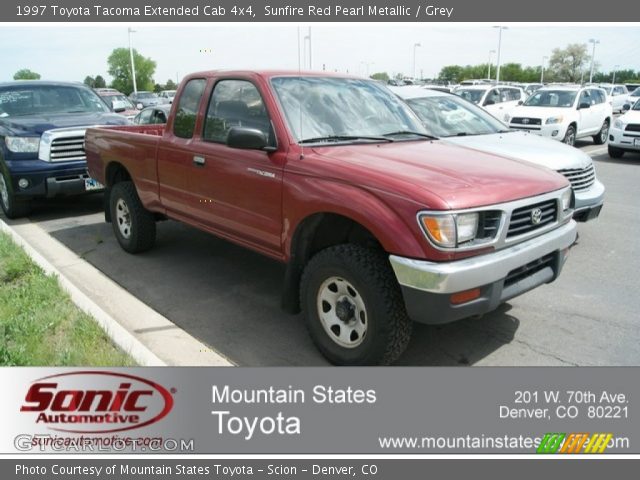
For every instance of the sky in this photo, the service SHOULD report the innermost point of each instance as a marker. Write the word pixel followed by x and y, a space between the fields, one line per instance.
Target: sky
pixel 73 52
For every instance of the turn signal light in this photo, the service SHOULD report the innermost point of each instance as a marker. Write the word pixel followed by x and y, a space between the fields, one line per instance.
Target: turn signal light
pixel 464 297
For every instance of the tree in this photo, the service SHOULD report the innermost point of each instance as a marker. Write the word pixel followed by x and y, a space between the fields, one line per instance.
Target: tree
pixel 170 85
pixel 382 76
pixel 452 73
pixel 99 82
pixel 157 88
pixel 567 64
pixel 120 69
pixel 89 81
pixel 26 74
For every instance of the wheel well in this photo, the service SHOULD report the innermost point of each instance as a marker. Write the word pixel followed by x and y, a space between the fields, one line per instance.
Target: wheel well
pixel 313 234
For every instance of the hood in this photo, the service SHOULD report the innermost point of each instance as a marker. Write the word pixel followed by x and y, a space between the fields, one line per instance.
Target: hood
pixel 525 146
pixel 435 174
pixel 539 112
pixel 37 124
pixel 632 116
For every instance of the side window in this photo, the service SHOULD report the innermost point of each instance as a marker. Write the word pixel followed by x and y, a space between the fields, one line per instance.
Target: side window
pixel 597 97
pixel 144 117
pixel 235 103
pixel 187 111
pixel 585 97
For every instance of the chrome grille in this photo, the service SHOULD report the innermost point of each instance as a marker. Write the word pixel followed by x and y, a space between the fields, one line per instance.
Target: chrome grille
pixel 522 222
pixel 526 121
pixel 633 127
pixel 67 148
pixel 581 178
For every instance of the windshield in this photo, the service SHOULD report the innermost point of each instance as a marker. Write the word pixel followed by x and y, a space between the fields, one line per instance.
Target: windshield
pixel 325 107
pixel 635 93
pixel 19 100
pixel 449 116
pixel 169 93
pixel 471 94
pixel 636 106
pixel 146 95
pixel 552 98
pixel 606 89
pixel 120 98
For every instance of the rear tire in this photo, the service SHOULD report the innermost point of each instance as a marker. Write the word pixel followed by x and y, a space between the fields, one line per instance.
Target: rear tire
pixel 603 135
pixel 353 306
pixel 570 136
pixel 11 206
pixel 615 152
pixel 133 225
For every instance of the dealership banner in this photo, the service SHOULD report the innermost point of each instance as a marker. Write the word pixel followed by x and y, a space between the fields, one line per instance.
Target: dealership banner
pixel 421 11
pixel 541 411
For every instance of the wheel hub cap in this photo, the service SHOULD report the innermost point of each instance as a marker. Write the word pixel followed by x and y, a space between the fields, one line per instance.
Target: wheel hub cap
pixel 123 217
pixel 342 312
pixel 4 192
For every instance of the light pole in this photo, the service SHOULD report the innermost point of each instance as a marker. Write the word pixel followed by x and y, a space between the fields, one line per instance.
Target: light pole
pixel 415 45
pixel 542 70
pixel 500 29
pixel 491 52
pixel 615 67
pixel 133 67
pixel 593 57
pixel 308 37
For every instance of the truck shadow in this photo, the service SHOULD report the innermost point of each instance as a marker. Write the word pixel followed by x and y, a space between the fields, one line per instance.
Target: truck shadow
pixel 229 298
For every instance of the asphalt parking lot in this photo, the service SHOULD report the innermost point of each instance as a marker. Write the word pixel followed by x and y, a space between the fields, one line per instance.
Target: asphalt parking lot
pixel 228 297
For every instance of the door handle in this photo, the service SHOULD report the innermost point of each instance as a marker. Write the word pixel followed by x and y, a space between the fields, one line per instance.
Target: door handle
pixel 199 161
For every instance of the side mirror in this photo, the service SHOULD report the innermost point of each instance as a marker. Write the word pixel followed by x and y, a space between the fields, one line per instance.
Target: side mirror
pixel 489 102
pixel 139 106
pixel 626 107
pixel 520 102
pixel 118 106
pixel 247 138
pixel 584 105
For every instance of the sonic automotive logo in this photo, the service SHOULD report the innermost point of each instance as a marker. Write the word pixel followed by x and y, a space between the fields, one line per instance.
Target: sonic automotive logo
pixel 123 402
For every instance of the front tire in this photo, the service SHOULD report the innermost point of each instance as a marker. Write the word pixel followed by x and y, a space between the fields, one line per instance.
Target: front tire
pixel 603 134
pixel 615 152
pixel 133 225
pixel 11 206
pixel 570 136
pixel 353 306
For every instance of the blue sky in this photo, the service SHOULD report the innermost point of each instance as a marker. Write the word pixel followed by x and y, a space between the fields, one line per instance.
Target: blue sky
pixel 73 52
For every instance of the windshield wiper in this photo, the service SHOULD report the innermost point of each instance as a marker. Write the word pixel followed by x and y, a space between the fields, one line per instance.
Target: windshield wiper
pixel 409 132
pixel 344 138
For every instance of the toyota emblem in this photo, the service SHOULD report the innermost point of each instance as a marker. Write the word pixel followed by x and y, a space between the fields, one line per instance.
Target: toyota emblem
pixel 525 120
pixel 536 216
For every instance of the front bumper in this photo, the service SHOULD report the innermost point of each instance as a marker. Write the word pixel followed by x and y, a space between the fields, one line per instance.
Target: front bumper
pixel 589 202
pixel 557 131
pixel 427 286
pixel 624 140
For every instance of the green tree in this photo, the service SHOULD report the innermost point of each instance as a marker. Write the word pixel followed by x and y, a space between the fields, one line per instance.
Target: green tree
pixel 170 85
pixel 26 74
pixel 452 73
pixel 99 82
pixel 120 69
pixel 567 64
pixel 89 81
pixel 382 76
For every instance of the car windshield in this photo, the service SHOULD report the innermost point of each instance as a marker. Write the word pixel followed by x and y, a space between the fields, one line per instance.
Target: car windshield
pixel 120 98
pixel 146 95
pixel 473 95
pixel 552 98
pixel 324 109
pixel 26 100
pixel 636 106
pixel 635 93
pixel 449 116
pixel 170 93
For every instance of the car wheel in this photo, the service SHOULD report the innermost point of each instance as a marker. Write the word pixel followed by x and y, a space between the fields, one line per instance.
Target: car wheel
pixel 615 152
pixel 11 206
pixel 603 134
pixel 353 306
pixel 133 225
pixel 570 136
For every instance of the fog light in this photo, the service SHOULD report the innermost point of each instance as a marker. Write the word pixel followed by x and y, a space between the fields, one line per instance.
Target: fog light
pixel 23 183
pixel 554 133
pixel 464 297
pixel 611 138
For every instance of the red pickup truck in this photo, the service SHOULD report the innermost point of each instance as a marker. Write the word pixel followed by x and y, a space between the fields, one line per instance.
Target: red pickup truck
pixel 379 223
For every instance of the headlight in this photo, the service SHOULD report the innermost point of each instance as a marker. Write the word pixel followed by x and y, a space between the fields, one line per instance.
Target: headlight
pixel 554 120
pixel 450 230
pixel 22 144
pixel 567 198
pixel 618 124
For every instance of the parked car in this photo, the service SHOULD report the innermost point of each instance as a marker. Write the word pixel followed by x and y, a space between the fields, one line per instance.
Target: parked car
pixel 145 99
pixel 529 88
pixel 42 128
pixel 565 113
pixel 153 115
pixel 458 121
pixel 625 132
pixel 167 95
pixel 378 222
pixel 631 99
pixel 118 102
pixel 498 100
pixel 617 95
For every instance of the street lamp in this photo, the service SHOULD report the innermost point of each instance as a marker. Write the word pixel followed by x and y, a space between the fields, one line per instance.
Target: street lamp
pixel 415 45
pixel 491 52
pixel 615 67
pixel 593 57
pixel 133 67
pixel 500 29
pixel 542 70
